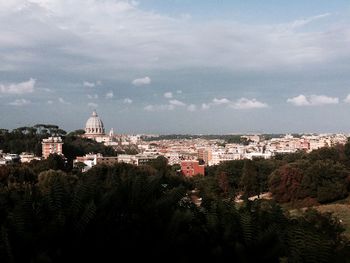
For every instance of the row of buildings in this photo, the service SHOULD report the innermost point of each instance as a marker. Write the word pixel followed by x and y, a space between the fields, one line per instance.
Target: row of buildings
pixel 188 153
pixel 10 158
pixel 213 152
pixel 187 167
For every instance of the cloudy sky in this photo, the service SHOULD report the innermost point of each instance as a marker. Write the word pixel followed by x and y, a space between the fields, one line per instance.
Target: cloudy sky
pixel 177 66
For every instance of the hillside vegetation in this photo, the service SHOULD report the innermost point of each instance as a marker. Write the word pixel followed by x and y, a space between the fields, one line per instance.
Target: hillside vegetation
pixel 123 211
pixel 51 212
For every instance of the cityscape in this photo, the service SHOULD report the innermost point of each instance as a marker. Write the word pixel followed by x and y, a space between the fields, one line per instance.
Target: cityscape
pixel 199 152
pixel 174 131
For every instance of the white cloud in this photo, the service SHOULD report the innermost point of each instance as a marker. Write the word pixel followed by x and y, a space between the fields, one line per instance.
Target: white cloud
pixel 49 102
pixel 159 107
pixel 127 101
pixel 18 88
pixel 215 102
pixel 62 101
pixel 176 103
pixel 149 108
pixel 116 41
pixel 118 35
pixel 109 95
pixel 242 103
pixel 313 100
pixel 173 104
pixel 94 96
pixel 245 104
pixel 142 81
pixel 303 22
pixel 20 102
pixel 191 107
pixel 89 84
pixel 322 100
pixel 220 101
pixel 168 95
pixel 205 106
pixel 347 99
pixel 92 105
pixel 300 100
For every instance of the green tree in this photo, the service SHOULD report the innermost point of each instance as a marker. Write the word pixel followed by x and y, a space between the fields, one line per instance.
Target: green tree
pixel 113 211
pixel 326 181
pixel 249 181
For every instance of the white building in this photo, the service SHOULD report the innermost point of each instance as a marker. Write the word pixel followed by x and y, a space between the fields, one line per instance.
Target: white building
pixel 173 158
pixel 127 158
pixel 90 160
pixel 28 157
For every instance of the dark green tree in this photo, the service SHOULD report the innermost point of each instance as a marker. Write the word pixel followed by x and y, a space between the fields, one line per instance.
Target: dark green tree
pixel 249 181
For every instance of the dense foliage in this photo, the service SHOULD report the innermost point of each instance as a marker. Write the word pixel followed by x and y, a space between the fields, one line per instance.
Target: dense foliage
pixel 124 211
pixel 321 176
pixel 28 139
pixel 246 177
pixel 50 212
pixel 78 146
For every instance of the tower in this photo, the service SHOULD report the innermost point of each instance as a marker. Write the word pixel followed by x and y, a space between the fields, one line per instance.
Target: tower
pixel 51 145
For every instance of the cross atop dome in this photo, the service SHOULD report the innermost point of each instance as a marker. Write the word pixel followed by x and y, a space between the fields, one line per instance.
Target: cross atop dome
pixel 94 114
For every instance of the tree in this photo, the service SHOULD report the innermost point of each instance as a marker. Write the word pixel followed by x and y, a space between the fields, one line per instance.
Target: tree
pixel 224 185
pixel 53 162
pixel 28 139
pixel 79 166
pixel 325 180
pixel 285 183
pixel 111 212
pixel 74 146
pixel 233 170
pixel 325 153
pixel 249 180
pixel 76 132
pixel 160 164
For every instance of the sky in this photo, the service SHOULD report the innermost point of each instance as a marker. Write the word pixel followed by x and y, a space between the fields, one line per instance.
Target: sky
pixel 177 66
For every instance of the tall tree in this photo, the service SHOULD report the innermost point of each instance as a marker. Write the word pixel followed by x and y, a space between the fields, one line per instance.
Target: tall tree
pixel 249 180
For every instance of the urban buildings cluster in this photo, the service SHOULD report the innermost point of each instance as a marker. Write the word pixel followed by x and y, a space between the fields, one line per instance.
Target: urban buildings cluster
pixel 215 151
pixel 192 155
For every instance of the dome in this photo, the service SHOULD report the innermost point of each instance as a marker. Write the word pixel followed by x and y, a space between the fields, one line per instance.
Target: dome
pixel 94 125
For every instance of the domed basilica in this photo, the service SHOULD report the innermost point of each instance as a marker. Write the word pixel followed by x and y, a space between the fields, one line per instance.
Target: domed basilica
pixel 94 126
pixel 95 130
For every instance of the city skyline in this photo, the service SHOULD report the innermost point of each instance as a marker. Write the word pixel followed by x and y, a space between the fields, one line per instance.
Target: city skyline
pixel 176 67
